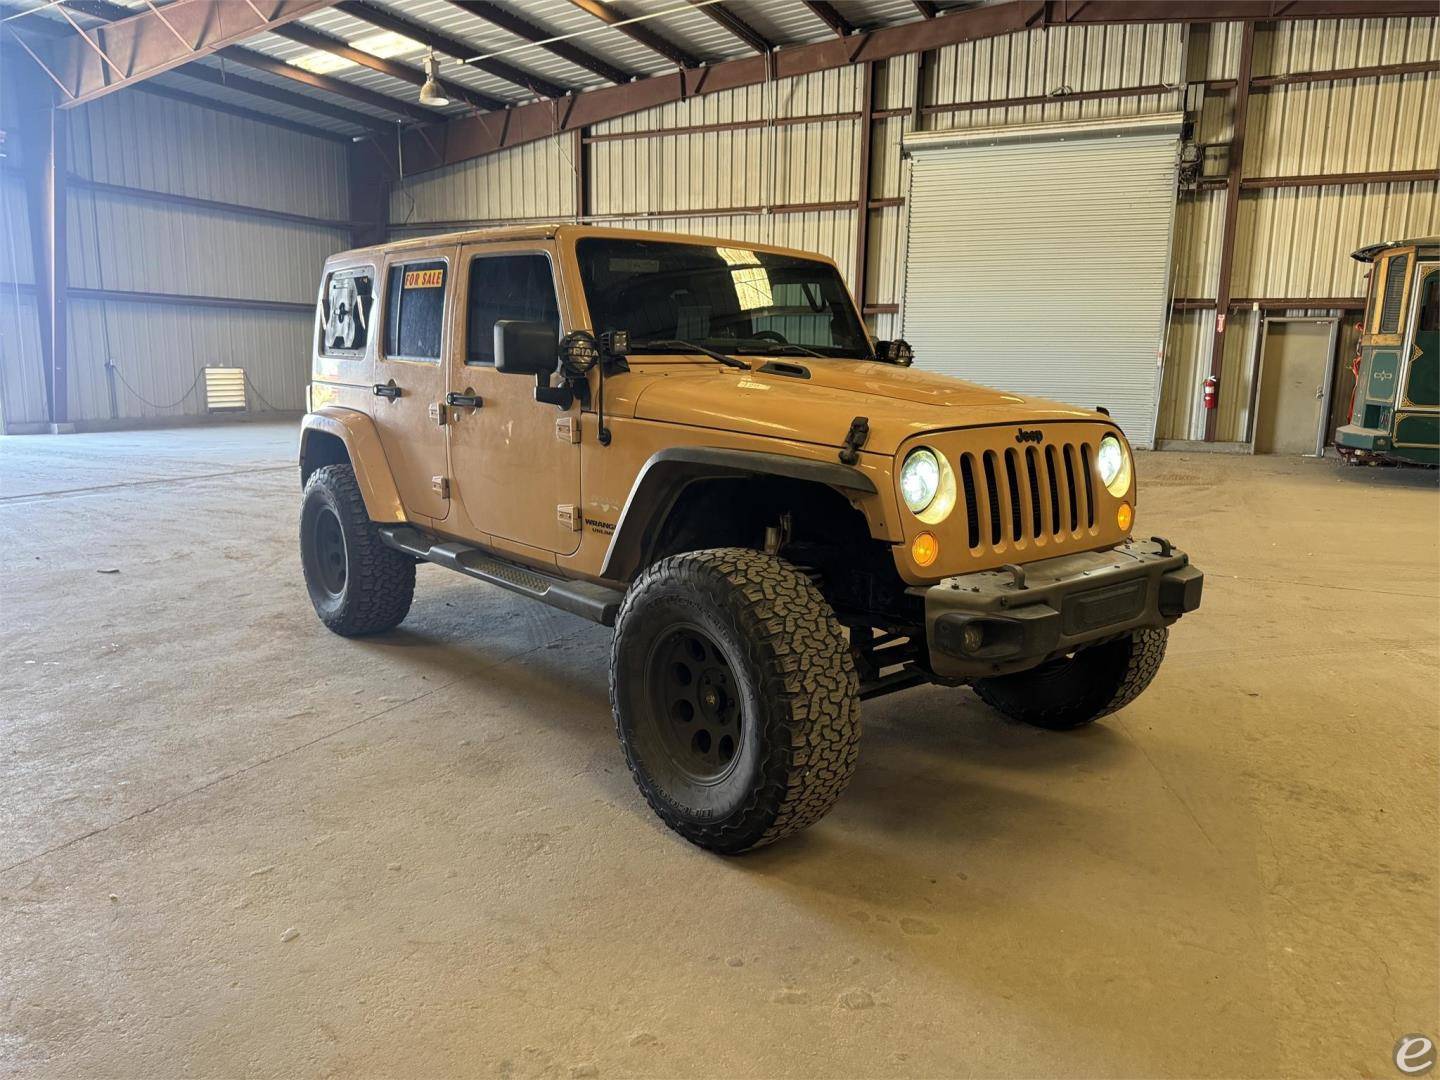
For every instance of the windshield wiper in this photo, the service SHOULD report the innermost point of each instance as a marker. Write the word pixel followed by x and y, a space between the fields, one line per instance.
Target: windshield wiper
pixel 787 349
pixel 690 346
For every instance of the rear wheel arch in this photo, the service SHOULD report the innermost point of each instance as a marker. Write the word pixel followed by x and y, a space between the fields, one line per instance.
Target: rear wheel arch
pixel 346 437
pixel 318 449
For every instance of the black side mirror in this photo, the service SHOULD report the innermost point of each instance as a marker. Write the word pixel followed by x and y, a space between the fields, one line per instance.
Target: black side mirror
pixel 895 352
pixel 526 348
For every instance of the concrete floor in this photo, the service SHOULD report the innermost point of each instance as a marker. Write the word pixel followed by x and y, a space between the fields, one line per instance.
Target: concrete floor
pixel 233 843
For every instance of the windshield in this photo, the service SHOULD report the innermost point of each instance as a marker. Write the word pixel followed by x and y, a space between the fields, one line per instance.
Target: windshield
pixel 729 299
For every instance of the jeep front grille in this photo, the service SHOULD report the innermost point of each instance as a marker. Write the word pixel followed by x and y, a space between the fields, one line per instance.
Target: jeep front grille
pixel 1027 494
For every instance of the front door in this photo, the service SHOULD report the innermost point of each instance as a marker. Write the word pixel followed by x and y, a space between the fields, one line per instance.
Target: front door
pixel 515 461
pixel 409 379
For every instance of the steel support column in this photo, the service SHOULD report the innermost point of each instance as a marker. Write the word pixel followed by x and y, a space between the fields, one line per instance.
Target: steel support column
pixel 43 133
pixel 866 129
pixel 1232 216
pixel 369 194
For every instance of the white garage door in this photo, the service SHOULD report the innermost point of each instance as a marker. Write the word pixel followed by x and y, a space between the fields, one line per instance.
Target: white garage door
pixel 1039 260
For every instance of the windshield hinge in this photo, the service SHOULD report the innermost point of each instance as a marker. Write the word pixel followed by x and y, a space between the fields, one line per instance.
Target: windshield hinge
pixel 854 440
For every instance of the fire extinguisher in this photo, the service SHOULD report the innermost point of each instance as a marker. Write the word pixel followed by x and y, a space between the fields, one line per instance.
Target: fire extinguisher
pixel 1212 391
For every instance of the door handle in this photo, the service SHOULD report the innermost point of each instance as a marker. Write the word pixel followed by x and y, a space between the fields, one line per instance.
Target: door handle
pixel 464 401
pixel 387 390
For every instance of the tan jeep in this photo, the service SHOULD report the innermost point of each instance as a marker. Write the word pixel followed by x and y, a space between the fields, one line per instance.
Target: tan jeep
pixel 696 441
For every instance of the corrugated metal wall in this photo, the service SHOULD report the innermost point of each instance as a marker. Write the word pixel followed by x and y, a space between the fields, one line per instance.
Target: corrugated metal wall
pixel 127 151
pixel 713 165
pixel 729 177
pixel 774 163
pixel 1294 242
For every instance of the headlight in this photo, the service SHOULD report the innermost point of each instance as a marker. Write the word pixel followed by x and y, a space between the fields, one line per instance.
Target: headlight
pixel 920 479
pixel 1113 462
pixel 927 484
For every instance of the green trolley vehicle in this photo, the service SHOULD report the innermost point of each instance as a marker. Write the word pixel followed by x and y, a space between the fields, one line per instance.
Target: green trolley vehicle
pixel 1396 414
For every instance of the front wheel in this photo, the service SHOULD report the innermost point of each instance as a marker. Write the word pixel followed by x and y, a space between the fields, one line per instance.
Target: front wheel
pixel 735 697
pixel 357 584
pixel 1075 690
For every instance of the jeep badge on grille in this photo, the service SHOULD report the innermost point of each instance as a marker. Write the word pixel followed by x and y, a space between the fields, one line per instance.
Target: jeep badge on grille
pixel 1023 436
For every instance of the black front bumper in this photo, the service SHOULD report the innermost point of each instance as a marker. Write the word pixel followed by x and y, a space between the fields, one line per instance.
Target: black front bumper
pixel 999 621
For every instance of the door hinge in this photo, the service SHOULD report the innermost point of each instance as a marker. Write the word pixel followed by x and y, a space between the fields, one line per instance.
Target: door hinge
pixel 569 517
pixel 441 486
pixel 567 429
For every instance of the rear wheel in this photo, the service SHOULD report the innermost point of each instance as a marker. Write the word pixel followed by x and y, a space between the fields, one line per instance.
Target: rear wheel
pixel 735 697
pixel 1075 690
pixel 357 584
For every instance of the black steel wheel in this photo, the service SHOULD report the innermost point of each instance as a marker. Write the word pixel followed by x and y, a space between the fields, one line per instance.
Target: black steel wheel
pixel 356 583
pixel 735 697
pixel 696 703
pixel 327 545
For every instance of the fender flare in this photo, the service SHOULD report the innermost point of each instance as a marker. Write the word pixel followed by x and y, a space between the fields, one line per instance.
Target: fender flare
pixel 367 457
pixel 670 471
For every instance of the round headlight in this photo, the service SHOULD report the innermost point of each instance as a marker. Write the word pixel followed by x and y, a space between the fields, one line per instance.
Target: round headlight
pixel 920 479
pixel 1112 461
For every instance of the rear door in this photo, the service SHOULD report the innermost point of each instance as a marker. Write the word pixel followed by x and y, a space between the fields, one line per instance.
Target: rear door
pixel 516 461
pixel 1422 365
pixel 409 377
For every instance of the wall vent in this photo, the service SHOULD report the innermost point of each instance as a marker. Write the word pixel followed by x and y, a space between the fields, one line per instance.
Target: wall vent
pixel 225 389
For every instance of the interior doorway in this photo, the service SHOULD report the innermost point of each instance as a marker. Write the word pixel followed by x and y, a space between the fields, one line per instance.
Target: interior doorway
pixel 1294 385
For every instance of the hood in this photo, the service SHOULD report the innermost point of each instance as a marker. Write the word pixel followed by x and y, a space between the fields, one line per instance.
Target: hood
pixel 898 402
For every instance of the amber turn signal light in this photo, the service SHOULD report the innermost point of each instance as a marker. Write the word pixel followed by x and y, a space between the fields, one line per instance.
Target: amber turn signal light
pixel 1124 516
pixel 925 549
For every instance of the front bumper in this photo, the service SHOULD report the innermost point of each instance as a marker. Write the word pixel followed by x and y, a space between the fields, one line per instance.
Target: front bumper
pixel 999 621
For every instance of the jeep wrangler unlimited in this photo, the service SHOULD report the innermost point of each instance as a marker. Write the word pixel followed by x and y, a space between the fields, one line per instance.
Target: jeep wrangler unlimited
pixel 697 442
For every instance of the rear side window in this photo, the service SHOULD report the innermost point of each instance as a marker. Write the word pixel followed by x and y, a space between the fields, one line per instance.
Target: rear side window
pixel 1394 297
pixel 345 311
pixel 414 310
pixel 506 287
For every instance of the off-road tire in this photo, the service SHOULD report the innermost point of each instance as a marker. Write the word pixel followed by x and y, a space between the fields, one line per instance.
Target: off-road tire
pixel 378 582
pixel 1077 690
pixel 798 696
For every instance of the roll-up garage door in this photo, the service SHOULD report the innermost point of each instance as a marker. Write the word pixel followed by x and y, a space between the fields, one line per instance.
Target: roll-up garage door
pixel 1039 258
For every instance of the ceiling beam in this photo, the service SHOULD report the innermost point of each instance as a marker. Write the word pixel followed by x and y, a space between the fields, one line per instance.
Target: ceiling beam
pixel 443 43
pixel 476 136
pixel 736 26
pixel 206 74
pixel 90 63
pixel 304 35
pixel 511 23
pixel 926 8
pixel 1070 12
pixel 826 13
pixel 610 15
pixel 339 87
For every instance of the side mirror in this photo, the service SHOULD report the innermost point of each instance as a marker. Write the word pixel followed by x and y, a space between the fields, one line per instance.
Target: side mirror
pixel 895 352
pixel 526 348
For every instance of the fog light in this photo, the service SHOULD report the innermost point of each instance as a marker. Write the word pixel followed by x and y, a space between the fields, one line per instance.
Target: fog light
pixel 925 549
pixel 972 638
pixel 1124 517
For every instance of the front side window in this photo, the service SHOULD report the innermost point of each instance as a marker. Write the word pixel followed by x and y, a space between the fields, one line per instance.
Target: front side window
pixel 731 299
pixel 345 311
pixel 519 287
pixel 415 310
